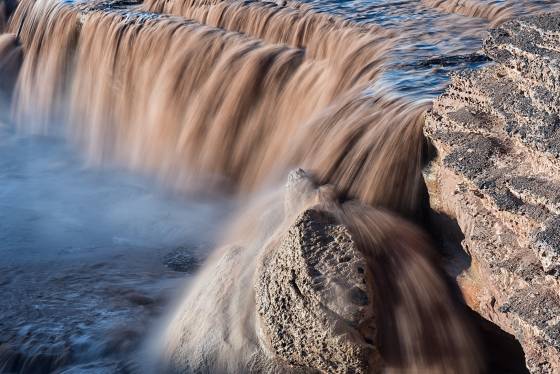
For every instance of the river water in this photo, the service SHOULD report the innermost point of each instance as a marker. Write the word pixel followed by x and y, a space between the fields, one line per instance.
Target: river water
pixel 88 257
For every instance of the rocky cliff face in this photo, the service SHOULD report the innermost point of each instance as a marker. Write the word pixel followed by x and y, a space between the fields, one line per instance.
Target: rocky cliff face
pixel 496 131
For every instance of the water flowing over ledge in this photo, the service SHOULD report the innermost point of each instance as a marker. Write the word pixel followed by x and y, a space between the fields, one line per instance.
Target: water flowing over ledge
pixel 238 116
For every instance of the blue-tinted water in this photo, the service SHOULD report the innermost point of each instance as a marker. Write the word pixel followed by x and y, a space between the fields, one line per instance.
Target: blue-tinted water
pixel 432 43
pixel 87 256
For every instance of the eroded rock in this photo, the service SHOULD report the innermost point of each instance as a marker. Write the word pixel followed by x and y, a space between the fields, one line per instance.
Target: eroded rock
pixel 313 302
pixel 497 173
pixel 293 295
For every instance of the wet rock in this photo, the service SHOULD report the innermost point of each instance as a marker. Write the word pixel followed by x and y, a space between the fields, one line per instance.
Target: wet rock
pixel 182 259
pixel 294 298
pixel 10 360
pixel 3 17
pixel 11 58
pixel 139 299
pixel 121 340
pixel 7 7
pixel 44 360
pixel 312 298
pixel 497 174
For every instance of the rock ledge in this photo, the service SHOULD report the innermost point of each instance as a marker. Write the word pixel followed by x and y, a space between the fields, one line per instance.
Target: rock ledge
pixel 497 174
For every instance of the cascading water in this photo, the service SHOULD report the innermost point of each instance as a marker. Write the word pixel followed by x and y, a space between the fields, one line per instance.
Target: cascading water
pixel 229 96
pixel 419 326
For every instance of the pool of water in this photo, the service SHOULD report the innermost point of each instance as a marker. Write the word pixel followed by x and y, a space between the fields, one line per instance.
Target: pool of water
pixel 88 257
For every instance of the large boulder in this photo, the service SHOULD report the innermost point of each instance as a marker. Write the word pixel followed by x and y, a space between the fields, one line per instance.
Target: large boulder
pixel 497 175
pixel 309 284
pixel 314 300
pixel 293 294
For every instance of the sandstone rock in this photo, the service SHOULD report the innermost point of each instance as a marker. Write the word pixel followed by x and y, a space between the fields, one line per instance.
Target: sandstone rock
pixel 314 306
pixel 497 173
pixel 294 296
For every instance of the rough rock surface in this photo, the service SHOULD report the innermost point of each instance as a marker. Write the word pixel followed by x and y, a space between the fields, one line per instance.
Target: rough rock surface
pixel 497 173
pixel 294 298
pixel 313 303
pixel 182 259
